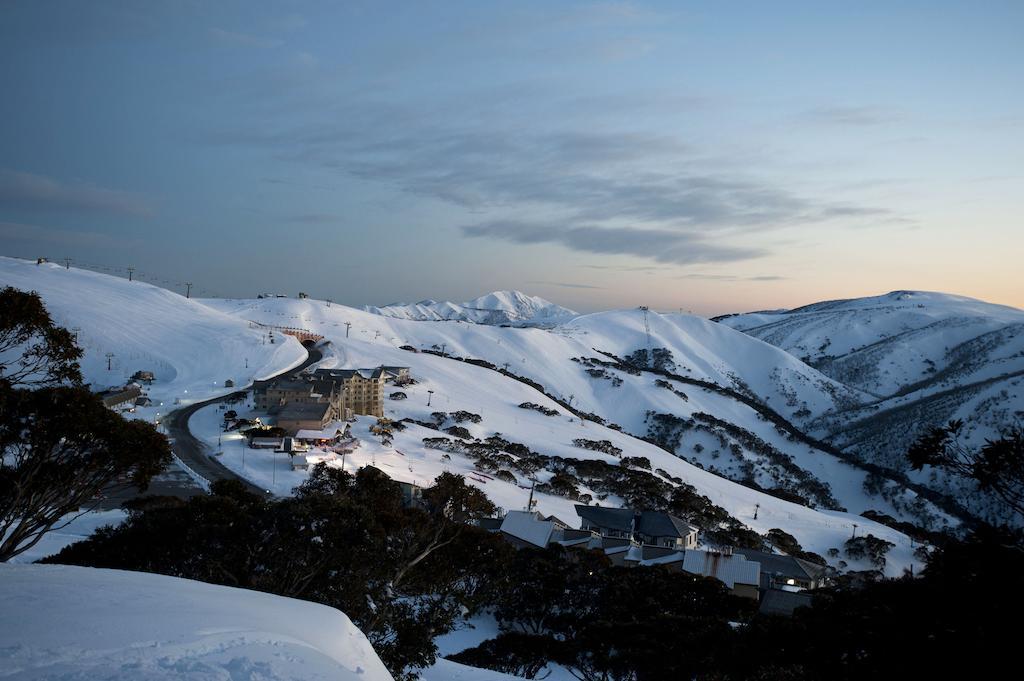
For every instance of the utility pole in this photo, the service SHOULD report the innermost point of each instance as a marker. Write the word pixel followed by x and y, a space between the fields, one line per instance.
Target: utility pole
pixel 188 289
pixel 130 270
pixel 67 263
pixel 348 325
pixel 430 395
pixel 110 356
pixel 854 531
pixel 529 502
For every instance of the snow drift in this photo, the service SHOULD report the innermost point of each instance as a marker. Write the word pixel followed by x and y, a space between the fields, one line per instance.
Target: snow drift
pixel 62 622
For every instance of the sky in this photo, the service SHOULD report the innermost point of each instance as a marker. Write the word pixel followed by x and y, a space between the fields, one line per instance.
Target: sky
pixel 699 156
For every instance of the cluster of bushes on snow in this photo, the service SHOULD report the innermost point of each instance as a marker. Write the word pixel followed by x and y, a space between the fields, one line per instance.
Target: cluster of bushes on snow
pixel 537 407
pixel 796 479
pixel 662 383
pixel 604 446
pixel 792 482
pixel 659 359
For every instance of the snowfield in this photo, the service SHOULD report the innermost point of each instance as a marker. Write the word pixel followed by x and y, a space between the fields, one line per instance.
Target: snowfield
pixel 62 622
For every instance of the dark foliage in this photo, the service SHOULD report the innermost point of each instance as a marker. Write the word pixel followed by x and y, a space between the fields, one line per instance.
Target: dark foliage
pixel 33 350
pixel 997 466
pixel 61 448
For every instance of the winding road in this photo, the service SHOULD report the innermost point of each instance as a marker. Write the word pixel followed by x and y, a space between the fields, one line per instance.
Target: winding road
pixel 194 453
pixel 175 481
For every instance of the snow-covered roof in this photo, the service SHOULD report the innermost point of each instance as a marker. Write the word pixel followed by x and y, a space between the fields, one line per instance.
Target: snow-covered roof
pixel 329 432
pixel 731 569
pixel 528 527
pixel 674 557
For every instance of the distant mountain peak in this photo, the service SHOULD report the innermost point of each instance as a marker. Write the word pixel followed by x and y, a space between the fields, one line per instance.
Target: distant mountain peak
pixel 495 308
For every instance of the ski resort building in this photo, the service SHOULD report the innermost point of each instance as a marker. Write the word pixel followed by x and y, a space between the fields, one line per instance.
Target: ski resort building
pixel 645 527
pixel 117 397
pixel 780 571
pixel 397 375
pixel 297 416
pixel 340 394
pixel 363 389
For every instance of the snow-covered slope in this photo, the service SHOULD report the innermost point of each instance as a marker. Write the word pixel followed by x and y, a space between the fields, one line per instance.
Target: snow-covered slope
pixel 190 336
pixel 191 348
pixel 62 622
pixel 559 360
pixel 925 358
pixel 499 307
pixel 901 340
pixel 546 357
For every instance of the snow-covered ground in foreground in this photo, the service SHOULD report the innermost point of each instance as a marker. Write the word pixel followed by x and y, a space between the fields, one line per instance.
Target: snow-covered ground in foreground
pixel 499 307
pixel 191 348
pixel 62 622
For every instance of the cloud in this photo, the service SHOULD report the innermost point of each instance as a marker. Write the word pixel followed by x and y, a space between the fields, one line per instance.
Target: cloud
pixel 648 269
pixel 729 277
pixel 680 248
pixel 236 39
pixel 610 190
pixel 565 284
pixel 651 180
pixel 25 191
pixel 854 116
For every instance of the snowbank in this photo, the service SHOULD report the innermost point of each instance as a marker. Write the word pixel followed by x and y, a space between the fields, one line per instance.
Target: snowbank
pixel 62 622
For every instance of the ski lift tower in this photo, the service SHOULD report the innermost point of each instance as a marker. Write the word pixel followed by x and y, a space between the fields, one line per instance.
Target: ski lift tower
pixel 647 331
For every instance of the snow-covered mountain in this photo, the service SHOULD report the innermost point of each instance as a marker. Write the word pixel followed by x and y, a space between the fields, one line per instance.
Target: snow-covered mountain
pixel 721 379
pixel 924 358
pixel 497 308
pixel 712 415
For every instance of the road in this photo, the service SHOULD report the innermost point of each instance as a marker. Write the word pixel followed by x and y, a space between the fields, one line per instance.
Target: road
pixel 193 452
pixel 174 481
